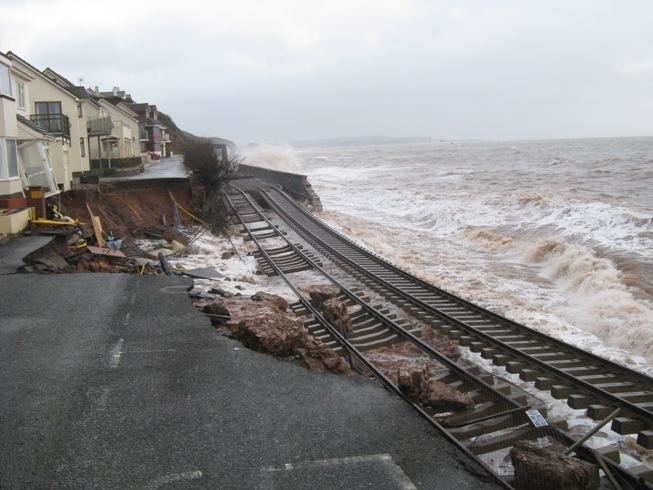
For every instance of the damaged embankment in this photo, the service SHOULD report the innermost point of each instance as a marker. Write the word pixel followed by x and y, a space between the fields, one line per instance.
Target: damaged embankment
pixel 128 211
pixel 264 323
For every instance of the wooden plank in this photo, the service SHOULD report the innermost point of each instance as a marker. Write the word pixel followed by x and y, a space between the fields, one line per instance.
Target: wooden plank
pixel 105 251
pixel 97 228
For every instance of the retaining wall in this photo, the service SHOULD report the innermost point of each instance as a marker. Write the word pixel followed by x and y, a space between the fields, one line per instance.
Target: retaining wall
pixel 296 185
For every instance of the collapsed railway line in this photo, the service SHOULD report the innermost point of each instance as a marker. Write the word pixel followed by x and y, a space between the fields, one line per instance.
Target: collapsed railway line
pixel 499 416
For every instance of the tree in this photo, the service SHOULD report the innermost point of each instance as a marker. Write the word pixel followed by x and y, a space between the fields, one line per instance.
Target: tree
pixel 212 165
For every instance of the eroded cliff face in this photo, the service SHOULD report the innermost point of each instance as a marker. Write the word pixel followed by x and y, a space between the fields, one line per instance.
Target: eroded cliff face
pixel 296 185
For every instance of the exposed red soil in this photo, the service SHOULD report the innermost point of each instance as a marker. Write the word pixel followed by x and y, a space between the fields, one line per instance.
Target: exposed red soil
pixel 126 208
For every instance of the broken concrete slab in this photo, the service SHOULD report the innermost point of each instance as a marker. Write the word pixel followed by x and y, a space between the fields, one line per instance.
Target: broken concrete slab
pixel 13 252
pixel 203 273
pixel 54 263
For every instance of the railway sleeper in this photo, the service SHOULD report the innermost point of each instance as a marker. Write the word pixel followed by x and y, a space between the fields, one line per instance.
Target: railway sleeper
pixel 576 371
pixel 368 331
pixel 515 367
pixel 642 472
pixel 502 441
pixel 550 356
pixel 567 363
pixel 530 374
pixel 486 427
pixel 645 439
pixel 514 341
pixel 378 333
pixel 364 321
pixel 472 415
pixel 626 425
pixel 391 339
pixel 635 396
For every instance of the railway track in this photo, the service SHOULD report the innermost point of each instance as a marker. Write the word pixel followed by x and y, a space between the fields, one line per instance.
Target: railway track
pixel 498 418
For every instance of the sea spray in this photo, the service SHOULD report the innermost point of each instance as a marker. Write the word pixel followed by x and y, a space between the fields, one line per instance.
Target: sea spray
pixel 274 157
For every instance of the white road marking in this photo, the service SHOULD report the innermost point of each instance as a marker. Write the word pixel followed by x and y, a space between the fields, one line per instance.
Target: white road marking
pixel 101 404
pixel 174 289
pixel 116 352
pixel 394 470
pixel 147 351
pixel 172 477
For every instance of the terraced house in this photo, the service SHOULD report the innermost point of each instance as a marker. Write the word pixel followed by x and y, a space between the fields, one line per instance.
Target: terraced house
pixel 112 128
pixel 53 130
pixel 59 112
pixel 25 148
pixel 153 137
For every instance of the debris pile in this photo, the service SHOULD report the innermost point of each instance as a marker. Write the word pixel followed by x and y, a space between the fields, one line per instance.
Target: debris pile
pixel 320 293
pixel 324 298
pixel 443 397
pixel 544 461
pixel 264 323
pixel 335 312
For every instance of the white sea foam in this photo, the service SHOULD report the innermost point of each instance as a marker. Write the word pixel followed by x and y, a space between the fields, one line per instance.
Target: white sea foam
pixel 557 235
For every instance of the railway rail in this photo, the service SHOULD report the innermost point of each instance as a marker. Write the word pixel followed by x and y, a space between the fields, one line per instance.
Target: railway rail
pixel 496 418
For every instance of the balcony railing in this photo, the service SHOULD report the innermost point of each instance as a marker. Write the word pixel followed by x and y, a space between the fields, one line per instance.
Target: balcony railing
pixel 100 126
pixel 57 124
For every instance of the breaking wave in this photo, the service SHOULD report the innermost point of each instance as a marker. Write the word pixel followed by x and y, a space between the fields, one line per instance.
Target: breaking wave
pixel 557 235
pixel 601 299
pixel 274 157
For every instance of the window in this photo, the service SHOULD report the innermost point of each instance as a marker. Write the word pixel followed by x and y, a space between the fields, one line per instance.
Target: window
pixel 21 95
pixel 5 80
pixel 49 116
pixel 48 108
pixel 82 148
pixel 12 158
pixel 79 108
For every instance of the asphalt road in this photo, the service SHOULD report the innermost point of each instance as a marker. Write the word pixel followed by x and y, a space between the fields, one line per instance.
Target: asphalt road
pixel 114 381
pixel 168 168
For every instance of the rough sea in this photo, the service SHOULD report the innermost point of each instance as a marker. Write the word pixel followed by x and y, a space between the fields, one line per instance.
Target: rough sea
pixel 557 235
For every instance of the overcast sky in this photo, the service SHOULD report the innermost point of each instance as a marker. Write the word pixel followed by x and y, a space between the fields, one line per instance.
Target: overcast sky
pixel 285 70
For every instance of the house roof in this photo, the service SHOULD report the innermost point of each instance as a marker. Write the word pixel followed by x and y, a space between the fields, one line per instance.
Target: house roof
pixel 140 107
pixel 32 126
pixel 118 94
pixel 14 57
pixel 118 108
pixel 63 79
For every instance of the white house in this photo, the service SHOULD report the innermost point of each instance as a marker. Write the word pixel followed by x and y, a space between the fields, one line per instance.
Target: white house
pixel 24 149
pixel 59 112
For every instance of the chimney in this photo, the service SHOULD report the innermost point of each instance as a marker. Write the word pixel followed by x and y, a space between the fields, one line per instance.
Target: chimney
pixel 115 91
pixel 97 89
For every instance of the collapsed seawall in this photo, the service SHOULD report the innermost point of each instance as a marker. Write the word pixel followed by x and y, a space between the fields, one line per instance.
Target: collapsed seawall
pixel 296 185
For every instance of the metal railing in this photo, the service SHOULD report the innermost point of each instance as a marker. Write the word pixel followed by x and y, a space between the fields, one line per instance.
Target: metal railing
pixel 57 124
pixel 100 126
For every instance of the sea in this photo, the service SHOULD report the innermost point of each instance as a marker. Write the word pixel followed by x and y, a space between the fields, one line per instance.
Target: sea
pixel 555 234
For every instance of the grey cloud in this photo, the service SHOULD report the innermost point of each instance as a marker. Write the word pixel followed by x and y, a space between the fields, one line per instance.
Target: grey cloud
pixel 288 70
